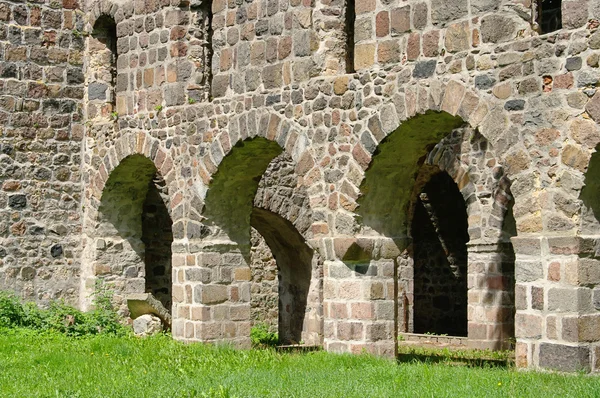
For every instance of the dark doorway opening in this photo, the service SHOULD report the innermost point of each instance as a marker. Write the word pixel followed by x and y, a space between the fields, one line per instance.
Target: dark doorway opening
pixel 439 231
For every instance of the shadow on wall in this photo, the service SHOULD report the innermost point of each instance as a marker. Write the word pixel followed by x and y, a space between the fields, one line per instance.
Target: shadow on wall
pixel 590 197
pixel 439 232
pixel 135 229
pixel 294 266
pixel 230 197
pixel 389 180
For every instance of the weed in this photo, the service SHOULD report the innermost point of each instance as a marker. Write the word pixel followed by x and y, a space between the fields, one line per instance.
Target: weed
pixel 261 337
pixel 191 101
pixel 63 318
pixel 158 108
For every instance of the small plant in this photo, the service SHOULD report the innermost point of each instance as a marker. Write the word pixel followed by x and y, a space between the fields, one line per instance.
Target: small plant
pixel 158 108
pixel 36 125
pixel 114 115
pixel 261 337
pixel 191 101
pixel 61 317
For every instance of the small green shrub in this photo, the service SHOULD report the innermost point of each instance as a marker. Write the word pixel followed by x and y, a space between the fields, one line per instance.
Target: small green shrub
pixel 261 337
pixel 63 318
pixel 11 310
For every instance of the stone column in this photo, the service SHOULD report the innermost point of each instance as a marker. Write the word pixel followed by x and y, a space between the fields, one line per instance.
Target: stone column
pixel 490 296
pixel 359 295
pixel 211 293
pixel 557 322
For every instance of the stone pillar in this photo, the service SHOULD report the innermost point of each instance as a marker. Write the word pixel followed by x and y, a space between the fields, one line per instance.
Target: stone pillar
pixel 490 296
pixel 557 323
pixel 359 296
pixel 211 293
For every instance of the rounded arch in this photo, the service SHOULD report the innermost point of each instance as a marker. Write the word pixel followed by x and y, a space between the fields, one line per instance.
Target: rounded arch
pixel 266 134
pixel 104 8
pixel 129 207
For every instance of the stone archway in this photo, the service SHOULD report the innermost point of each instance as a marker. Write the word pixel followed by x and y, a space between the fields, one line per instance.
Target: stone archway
pixel 255 186
pixel 131 235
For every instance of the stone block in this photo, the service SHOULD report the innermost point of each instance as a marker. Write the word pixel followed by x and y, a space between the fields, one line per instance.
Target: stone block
pixel 497 29
pixel 574 13
pixel 364 56
pixel 444 11
pixel 457 37
pixel 144 303
pixel 568 300
pixel 147 325
pixel 564 357
pixel 210 294
pixel 528 326
pixel 400 20
pixel 528 271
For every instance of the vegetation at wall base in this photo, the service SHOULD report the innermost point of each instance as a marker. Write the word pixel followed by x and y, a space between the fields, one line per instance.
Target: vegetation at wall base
pixel 262 337
pixel 51 364
pixel 469 357
pixel 62 318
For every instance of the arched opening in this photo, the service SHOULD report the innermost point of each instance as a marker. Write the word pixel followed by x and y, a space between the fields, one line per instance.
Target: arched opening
pixel 590 197
pixel 102 68
pixel 435 188
pixel 439 232
pixel 294 263
pixel 254 174
pixel 133 236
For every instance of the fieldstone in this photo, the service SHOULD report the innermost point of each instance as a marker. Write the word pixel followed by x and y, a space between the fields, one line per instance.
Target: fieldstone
pixel 457 37
pixel 593 107
pixel 424 69
pixel 514 105
pixel 443 11
pixel 17 202
pixel 574 14
pixel 141 304
pixel 147 325
pixel 97 91
pixel 484 82
pixel 497 29
pixel 574 63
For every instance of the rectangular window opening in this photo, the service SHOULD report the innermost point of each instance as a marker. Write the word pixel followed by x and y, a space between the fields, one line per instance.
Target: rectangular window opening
pixel 349 26
pixel 549 15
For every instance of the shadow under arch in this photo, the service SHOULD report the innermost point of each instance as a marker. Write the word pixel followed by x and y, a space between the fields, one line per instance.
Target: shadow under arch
pixel 294 266
pixel 388 182
pixel 134 232
pixel 439 230
pixel 590 197
pixel 230 197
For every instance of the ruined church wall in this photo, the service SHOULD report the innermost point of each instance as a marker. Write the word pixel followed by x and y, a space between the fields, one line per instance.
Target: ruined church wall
pixel 42 47
pixel 532 97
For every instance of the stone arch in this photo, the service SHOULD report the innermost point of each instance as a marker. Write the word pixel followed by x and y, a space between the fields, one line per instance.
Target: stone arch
pixel 246 126
pixel 104 8
pixel 137 174
pixel 419 149
pixel 239 194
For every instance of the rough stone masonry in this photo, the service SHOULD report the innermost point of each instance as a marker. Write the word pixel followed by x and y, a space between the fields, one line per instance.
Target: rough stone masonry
pixel 340 170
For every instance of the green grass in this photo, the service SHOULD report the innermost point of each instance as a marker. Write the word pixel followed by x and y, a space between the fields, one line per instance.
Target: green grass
pixel 53 365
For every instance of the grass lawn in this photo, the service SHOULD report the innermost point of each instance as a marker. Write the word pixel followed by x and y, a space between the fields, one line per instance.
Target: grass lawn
pixel 51 365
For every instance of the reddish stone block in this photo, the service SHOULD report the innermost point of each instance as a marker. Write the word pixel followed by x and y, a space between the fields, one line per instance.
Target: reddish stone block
pixel 382 24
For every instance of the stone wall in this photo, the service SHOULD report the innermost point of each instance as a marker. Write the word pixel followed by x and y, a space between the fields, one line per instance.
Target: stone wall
pixel 41 118
pixel 264 298
pixel 203 92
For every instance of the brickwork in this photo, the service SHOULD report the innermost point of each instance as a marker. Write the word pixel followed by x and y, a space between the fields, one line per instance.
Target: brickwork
pixel 203 90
